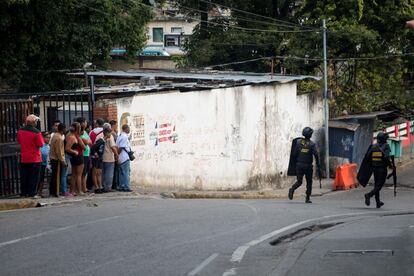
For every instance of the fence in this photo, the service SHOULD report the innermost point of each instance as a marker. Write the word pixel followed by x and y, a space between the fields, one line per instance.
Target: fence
pixel 49 106
pixel 402 138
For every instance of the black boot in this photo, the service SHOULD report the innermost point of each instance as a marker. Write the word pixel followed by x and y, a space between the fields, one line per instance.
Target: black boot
pixel 367 200
pixel 379 204
pixel 308 199
pixel 290 195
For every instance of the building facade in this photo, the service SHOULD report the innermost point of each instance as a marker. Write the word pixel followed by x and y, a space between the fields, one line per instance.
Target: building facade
pixel 215 138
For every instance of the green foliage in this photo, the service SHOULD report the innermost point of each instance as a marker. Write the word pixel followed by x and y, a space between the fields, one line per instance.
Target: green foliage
pixel 366 30
pixel 43 39
pixel 309 86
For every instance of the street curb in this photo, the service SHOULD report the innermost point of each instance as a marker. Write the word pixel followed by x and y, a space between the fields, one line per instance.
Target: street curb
pixel 21 204
pixel 35 203
pixel 239 195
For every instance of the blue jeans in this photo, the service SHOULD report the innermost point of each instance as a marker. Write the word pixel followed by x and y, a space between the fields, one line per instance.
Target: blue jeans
pixel 107 175
pixel 64 176
pixel 124 171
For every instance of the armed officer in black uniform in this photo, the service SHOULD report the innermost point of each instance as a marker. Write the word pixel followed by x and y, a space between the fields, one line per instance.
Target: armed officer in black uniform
pixel 379 157
pixel 303 154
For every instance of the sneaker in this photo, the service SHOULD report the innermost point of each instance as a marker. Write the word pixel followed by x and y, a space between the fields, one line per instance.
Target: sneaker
pixel 98 191
pixel 127 190
pixel 308 200
pixel 379 204
pixel 290 194
pixel 68 194
pixel 36 196
pixel 367 200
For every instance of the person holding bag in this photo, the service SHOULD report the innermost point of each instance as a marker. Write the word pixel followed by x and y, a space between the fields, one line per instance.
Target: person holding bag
pixel 124 151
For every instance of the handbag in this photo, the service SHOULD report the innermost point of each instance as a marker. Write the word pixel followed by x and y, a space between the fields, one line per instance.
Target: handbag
pixel 130 154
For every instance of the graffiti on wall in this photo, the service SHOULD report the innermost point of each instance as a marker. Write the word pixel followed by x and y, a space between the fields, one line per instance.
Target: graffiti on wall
pixel 347 143
pixel 162 133
pixel 137 127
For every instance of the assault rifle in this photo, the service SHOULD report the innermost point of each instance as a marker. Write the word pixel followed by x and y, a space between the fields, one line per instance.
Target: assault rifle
pixel 393 174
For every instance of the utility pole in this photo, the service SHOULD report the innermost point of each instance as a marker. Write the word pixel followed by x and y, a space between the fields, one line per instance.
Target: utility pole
pixel 92 99
pixel 325 98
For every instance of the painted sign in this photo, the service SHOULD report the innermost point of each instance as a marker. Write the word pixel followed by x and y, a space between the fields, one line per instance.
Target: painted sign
pixel 162 133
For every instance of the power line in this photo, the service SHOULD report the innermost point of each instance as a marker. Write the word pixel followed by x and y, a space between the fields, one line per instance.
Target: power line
pixel 238 62
pixel 309 59
pixel 246 44
pixel 239 18
pixel 249 29
pixel 258 15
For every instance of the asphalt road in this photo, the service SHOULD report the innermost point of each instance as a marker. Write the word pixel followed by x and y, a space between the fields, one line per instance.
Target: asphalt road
pixel 175 237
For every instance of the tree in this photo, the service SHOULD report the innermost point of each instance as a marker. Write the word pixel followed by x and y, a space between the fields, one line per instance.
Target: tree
pixel 43 39
pixel 367 43
pixel 373 32
pixel 234 37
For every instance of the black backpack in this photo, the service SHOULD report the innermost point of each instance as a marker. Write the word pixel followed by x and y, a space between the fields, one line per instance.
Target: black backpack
pixel 97 150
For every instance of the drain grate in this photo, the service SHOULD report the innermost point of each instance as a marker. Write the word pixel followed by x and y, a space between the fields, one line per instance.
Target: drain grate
pixel 303 232
pixel 360 252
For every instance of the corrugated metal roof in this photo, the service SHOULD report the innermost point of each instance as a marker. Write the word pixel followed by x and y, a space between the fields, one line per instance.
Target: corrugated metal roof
pixel 246 78
pixel 343 125
pixel 370 115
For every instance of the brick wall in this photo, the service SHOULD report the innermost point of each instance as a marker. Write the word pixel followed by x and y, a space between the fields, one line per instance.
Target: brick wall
pixel 106 110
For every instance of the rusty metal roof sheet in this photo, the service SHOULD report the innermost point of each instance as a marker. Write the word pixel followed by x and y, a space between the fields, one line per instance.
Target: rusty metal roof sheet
pixel 344 125
pixel 214 76
pixel 370 115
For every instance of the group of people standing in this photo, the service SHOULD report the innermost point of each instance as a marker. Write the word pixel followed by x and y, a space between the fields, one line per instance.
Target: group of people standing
pixel 99 158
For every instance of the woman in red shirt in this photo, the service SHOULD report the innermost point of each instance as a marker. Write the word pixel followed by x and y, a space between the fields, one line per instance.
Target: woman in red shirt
pixel 30 140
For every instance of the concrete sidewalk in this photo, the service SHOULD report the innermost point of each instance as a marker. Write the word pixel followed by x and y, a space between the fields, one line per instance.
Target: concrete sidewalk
pixel 21 203
pixel 404 180
pixel 354 248
pixel 263 194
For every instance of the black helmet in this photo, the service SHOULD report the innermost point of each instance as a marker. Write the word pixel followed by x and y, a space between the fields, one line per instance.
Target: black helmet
pixel 307 132
pixel 382 137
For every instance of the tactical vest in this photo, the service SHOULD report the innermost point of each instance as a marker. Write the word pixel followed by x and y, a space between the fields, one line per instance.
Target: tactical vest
pixel 377 156
pixel 304 154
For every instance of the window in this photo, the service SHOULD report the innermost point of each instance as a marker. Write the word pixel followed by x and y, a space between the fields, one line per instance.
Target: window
pixel 157 34
pixel 172 40
pixel 176 30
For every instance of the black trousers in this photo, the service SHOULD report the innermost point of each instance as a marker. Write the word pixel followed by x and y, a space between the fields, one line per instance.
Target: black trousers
pixel 380 175
pixel 56 165
pixel 115 179
pixel 29 176
pixel 307 171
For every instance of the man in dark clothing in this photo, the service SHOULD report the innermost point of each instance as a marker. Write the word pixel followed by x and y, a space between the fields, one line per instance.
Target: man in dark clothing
pixel 303 154
pixel 30 140
pixel 379 157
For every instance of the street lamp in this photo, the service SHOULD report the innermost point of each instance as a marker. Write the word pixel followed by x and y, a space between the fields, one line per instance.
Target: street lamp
pixel 86 66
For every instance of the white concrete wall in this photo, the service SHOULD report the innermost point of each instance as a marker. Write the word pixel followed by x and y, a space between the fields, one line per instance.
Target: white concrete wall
pixel 220 139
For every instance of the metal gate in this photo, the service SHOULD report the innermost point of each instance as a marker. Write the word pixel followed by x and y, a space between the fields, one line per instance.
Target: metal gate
pixel 49 106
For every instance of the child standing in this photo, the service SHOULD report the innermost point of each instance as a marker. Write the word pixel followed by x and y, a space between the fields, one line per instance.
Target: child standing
pixel 45 162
